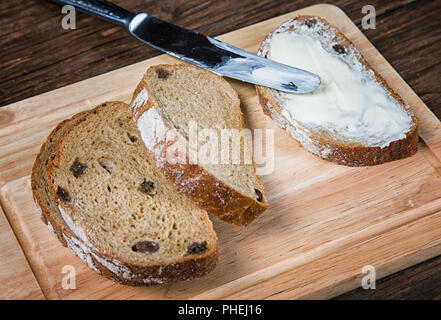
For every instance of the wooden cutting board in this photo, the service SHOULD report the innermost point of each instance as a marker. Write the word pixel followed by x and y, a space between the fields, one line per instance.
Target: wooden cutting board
pixel 325 221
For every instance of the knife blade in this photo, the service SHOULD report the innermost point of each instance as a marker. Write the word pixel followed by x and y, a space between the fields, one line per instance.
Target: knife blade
pixel 203 51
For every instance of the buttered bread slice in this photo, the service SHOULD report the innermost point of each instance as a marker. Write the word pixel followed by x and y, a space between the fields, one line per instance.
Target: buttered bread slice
pixel 175 103
pixel 354 118
pixel 114 209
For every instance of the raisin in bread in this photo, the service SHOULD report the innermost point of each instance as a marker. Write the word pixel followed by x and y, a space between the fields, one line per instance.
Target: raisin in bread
pixel 168 101
pixel 113 208
pixel 354 118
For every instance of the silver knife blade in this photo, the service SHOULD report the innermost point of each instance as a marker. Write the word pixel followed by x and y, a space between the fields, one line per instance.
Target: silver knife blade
pixel 219 57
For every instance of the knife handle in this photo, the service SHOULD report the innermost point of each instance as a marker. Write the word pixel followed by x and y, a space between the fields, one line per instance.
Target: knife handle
pixel 101 8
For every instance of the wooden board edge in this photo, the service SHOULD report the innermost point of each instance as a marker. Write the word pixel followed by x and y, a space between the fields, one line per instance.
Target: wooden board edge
pixel 342 271
pixel 256 278
pixel 383 271
pixel 24 238
pixel 34 292
pixel 430 156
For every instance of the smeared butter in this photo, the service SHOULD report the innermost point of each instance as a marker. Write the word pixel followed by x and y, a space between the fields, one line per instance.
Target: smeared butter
pixel 349 102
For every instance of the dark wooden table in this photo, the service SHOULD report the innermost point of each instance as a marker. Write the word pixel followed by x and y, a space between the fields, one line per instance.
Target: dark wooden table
pixel 37 55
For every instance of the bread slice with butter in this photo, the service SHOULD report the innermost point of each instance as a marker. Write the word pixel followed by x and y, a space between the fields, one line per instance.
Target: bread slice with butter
pixel 104 198
pixel 354 118
pixel 169 101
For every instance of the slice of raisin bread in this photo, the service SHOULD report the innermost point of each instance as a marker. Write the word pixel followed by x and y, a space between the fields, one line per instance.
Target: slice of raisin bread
pixel 118 212
pixel 336 128
pixel 170 104
pixel 46 206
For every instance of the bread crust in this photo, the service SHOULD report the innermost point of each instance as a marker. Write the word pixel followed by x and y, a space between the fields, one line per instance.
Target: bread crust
pixel 203 188
pixel 43 208
pixel 107 265
pixel 353 155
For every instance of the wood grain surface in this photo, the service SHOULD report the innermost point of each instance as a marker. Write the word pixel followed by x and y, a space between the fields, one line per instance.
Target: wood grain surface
pixel 16 278
pixel 38 56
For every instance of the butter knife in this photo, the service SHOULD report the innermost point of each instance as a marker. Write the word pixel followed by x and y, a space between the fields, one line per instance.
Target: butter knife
pixel 203 51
